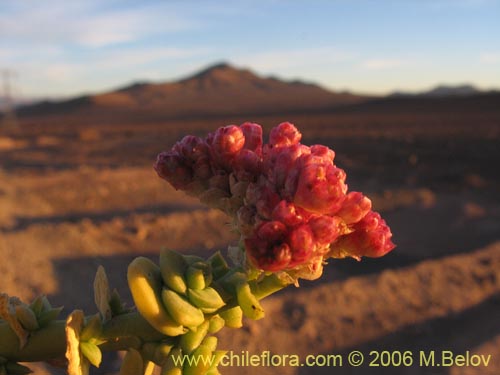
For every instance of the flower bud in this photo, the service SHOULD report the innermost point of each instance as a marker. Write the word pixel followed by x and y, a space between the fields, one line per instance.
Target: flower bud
pixel 326 229
pixel 227 142
pixel 354 207
pixel 202 169
pixel 191 148
pixel 371 238
pixel 267 256
pixel 301 242
pixel 286 166
pixel 323 152
pixel 272 231
pixel 321 188
pixel 171 167
pixel 247 165
pixel 287 213
pixel 253 137
pixel 285 134
pixel 287 200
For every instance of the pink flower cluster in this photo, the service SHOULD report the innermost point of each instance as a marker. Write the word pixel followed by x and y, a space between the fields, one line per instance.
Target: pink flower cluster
pixel 289 201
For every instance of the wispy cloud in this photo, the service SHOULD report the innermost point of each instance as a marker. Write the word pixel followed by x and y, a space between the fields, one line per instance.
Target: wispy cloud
pixel 15 53
pixel 490 57
pixel 277 60
pixel 128 26
pixel 109 69
pixel 83 23
pixel 59 72
pixel 382 64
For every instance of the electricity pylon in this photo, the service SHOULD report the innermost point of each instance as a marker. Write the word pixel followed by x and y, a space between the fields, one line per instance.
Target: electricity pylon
pixel 9 119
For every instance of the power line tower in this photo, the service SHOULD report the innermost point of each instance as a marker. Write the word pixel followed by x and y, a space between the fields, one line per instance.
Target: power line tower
pixel 9 119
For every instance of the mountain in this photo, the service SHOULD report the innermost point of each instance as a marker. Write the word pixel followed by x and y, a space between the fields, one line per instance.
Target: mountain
pixel 442 91
pixel 220 89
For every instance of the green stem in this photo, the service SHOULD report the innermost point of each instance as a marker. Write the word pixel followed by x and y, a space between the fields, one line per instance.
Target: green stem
pixel 130 324
pixel 44 344
pixel 120 333
pixel 268 285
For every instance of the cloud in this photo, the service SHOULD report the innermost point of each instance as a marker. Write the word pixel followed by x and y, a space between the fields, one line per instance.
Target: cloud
pixel 121 60
pixel 15 53
pixel 86 24
pixel 135 57
pixel 59 72
pixel 382 64
pixel 275 61
pixel 129 26
pixel 104 70
pixel 490 58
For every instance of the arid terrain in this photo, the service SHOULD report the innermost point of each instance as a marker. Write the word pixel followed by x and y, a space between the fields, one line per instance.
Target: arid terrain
pixel 77 190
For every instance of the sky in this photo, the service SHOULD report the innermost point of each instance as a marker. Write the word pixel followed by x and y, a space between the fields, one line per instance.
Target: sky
pixel 60 48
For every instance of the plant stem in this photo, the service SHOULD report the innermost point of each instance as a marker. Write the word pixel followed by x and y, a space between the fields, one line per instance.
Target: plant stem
pixel 121 332
pixel 44 344
pixel 268 285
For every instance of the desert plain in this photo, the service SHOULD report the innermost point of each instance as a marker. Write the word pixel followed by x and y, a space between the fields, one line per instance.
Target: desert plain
pixel 77 190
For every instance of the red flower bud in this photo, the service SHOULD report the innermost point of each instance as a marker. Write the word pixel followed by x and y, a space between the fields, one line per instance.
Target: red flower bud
pixel 371 238
pixel 287 200
pixel 172 168
pixel 284 169
pixel 272 231
pixel 253 137
pixel 227 142
pixel 287 213
pixel 325 153
pixel 191 148
pixel 321 188
pixel 301 242
pixel 326 229
pixel 268 258
pixel 247 165
pixel 268 250
pixel 354 207
pixel 285 134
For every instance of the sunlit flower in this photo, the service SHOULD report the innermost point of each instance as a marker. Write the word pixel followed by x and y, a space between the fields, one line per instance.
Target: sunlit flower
pixel 288 201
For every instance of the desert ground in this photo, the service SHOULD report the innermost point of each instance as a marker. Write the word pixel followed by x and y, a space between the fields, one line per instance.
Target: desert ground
pixel 78 193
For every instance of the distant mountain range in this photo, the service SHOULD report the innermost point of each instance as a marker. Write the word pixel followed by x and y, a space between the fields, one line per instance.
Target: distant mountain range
pixel 222 89
pixel 217 90
pixel 444 91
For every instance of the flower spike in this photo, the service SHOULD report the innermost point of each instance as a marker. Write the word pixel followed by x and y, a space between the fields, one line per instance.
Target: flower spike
pixel 289 202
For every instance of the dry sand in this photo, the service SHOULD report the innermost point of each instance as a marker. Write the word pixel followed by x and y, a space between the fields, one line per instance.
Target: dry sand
pixel 63 213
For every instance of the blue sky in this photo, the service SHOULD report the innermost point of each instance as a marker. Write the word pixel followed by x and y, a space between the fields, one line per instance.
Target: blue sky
pixel 63 48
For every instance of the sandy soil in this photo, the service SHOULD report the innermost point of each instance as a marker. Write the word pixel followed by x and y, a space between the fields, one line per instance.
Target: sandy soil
pixel 73 199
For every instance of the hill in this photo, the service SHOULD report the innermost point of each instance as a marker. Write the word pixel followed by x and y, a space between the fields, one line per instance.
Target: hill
pixel 443 91
pixel 418 104
pixel 218 90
